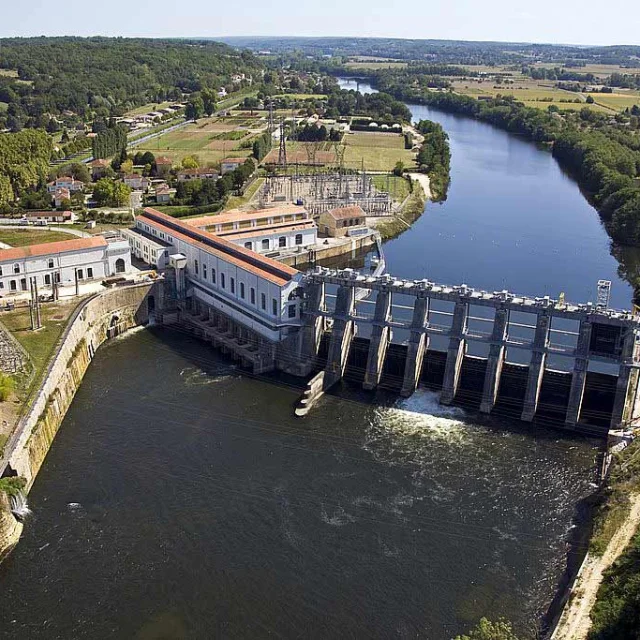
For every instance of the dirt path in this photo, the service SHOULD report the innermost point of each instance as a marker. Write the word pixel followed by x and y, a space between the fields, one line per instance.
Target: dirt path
pixel 575 621
pixel 423 179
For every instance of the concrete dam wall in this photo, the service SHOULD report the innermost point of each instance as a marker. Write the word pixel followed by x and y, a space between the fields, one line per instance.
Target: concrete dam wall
pixel 96 320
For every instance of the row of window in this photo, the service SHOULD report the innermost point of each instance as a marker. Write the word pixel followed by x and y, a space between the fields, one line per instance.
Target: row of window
pixel 282 242
pixel 16 266
pixel 13 284
pixel 242 290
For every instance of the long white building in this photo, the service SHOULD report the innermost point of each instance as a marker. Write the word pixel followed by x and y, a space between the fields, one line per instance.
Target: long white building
pixel 254 290
pixel 89 259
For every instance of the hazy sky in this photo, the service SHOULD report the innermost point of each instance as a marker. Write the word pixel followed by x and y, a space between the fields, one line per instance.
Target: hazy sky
pixel 557 21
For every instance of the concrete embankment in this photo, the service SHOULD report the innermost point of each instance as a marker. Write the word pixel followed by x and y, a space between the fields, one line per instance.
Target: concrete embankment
pixel 97 319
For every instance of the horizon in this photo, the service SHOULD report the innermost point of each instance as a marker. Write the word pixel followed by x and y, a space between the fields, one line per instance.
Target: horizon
pixel 224 38
pixel 549 22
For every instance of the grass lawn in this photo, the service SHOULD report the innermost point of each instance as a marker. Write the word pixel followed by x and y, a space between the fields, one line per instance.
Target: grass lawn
pixel 40 344
pixel 9 73
pixel 23 237
pixel 378 151
pixel 398 187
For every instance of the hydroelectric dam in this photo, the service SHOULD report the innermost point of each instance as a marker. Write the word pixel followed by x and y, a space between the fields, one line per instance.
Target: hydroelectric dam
pixel 533 358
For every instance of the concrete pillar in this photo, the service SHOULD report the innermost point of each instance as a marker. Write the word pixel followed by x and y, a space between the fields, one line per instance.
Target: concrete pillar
pixel 536 367
pixel 579 377
pixel 380 336
pixel 313 324
pixel 495 361
pixel 455 353
pixel 625 386
pixel 341 336
pixel 416 347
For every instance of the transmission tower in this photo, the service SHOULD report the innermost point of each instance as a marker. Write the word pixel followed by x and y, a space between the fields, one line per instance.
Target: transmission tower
pixel 282 153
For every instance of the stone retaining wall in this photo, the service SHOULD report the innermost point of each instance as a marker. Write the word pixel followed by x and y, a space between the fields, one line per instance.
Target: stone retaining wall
pixel 99 318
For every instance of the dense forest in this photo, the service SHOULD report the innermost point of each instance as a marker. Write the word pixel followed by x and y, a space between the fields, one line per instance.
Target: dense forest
pixel 44 77
pixel 24 159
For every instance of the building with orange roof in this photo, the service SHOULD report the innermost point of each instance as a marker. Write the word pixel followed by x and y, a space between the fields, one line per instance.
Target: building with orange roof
pixel 92 258
pixel 342 221
pixel 255 290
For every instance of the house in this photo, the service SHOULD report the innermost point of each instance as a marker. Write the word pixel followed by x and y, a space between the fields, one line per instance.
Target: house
pixel 342 221
pixel 65 182
pixel 55 217
pixel 163 194
pixel 184 175
pixel 99 168
pixel 60 196
pixel 230 164
pixel 163 166
pixel 222 93
pixel 62 262
pixel 136 182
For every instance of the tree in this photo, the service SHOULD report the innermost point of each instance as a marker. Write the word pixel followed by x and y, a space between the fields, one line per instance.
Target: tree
pixel 103 191
pixel 127 167
pixel 77 200
pixel 190 162
pixel 487 630
pixel 590 100
pixel 398 170
pixel 209 101
pixel 194 108
pixel 121 194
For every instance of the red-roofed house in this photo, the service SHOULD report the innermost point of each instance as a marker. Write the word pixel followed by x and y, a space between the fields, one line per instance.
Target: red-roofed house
pixel 163 166
pixel 87 258
pixel 139 183
pixel 231 164
pixel 342 221
pixel 65 182
pixel 99 168
pixel 60 196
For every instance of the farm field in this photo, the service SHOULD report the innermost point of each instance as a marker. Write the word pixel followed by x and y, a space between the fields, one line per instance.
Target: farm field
pixel 531 93
pixel 617 101
pixel 211 139
pixel 378 151
pixel 395 185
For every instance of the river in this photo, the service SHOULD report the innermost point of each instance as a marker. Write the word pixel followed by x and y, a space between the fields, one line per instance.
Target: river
pixel 183 500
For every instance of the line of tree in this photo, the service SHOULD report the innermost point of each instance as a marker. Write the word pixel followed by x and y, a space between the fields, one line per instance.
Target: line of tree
pixel 317 133
pixel 434 158
pixel 261 146
pixel 111 141
pixel 24 159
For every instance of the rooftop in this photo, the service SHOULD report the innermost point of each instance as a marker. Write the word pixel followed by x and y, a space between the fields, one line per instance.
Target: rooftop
pixel 248 260
pixel 235 215
pixel 48 248
pixel 341 213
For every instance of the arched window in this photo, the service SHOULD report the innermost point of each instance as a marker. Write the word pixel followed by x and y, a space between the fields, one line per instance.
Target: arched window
pixel 222 280
pixel 120 266
pixel 298 238
pixel 282 241
pixel 265 244
pixel 213 276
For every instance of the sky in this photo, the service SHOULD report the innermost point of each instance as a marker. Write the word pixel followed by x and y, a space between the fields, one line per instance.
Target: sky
pixel 543 21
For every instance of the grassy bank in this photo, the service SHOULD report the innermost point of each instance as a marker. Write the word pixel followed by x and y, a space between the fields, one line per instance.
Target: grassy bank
pixel 614 505
pixel 410 213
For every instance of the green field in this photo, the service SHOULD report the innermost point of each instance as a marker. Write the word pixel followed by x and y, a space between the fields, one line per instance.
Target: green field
pixel 238 201
pixel 377 151
pixel 24 237
pixel 9 73
pixel 395 185
pixel 617 101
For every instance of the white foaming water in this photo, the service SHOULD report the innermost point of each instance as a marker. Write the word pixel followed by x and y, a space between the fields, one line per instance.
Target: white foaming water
pixel 19 506
pixel 194 377
pixel 422 415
